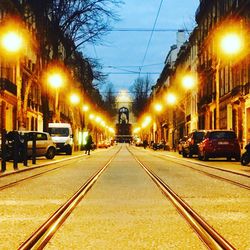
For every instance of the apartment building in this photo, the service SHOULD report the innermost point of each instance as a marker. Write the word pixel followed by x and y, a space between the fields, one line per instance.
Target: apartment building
pixel 223 81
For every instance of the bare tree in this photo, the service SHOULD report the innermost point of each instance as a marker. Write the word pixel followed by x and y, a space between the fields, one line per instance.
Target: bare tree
pixel 141 89
pixel 109 100
pixel 79 21
pixel 71 23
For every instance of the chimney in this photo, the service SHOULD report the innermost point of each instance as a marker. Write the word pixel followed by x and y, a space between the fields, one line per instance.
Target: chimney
pixel 181 38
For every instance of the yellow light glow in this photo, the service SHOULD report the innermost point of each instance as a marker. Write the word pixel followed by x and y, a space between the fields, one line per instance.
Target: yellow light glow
pixel 111 130
pixel 171 98
pixel 85 108
pixel 188 82
pixel 231 43
pixel 12 42
pixel 158 107
pixel 136 130
pixel 91 117
pixel 55 80
pixel 74 99
pixel 98 119
pixel 146 121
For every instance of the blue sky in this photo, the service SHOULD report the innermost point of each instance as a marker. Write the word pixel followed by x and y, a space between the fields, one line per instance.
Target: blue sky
pixel 124 51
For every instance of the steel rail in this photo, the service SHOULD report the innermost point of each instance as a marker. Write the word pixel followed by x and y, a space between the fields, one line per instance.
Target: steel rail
pixel 220 169
pixel 207 166
pixel 209 236
pixel 44 233
pixel 236 183
pixel 14 183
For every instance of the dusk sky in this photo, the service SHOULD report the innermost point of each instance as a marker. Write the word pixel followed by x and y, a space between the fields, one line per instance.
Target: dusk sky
pixel 124 52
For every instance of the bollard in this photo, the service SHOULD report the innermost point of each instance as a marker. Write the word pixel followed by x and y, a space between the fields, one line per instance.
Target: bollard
pixel 25 150
pixel 34 148
pixel 15 149
pixel 3 149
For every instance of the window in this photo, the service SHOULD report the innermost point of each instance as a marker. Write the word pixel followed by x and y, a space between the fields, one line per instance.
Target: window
pixel 41 136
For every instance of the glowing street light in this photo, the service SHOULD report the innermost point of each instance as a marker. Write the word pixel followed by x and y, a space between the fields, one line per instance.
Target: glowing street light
pixel 74 99
pixel 12 42
pixel 188 82
pixel 157 107
pixel 171 98
pixel 56 80
pixel 85 108
pixel 230 44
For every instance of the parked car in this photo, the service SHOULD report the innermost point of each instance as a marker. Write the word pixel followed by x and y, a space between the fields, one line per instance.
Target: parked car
pixel 190 146
pixel 219 143
pixel 44 144
pixel 180 144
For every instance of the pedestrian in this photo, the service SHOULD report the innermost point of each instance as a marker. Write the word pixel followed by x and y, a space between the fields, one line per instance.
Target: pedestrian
pixel 88 144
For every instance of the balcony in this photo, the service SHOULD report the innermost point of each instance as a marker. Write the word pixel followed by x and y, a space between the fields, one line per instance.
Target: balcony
pixel 205 100
pixel 7 85
pixel 236 90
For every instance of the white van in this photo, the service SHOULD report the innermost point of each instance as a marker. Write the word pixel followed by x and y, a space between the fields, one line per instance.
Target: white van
pixel 62 136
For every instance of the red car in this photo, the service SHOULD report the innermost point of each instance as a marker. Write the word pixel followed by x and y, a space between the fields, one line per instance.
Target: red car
pixel 219 143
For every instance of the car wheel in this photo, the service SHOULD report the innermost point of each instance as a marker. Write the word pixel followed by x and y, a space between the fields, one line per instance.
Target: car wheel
pixel 244 159
pixel 50 153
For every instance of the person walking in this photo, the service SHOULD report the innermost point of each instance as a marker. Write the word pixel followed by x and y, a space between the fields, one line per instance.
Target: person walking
pixel 88 144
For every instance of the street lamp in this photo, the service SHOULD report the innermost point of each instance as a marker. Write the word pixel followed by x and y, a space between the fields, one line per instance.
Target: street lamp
pixel 157 109
pixel 56 81
pixel 231 44
pixel 171 98
pixel 85 109
pixel 188 82
pixel 12 42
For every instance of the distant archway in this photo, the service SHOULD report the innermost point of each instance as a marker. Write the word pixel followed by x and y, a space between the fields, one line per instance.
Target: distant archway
pixel 123 116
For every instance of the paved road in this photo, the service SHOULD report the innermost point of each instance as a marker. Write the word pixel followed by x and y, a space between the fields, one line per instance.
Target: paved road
pixel 125 209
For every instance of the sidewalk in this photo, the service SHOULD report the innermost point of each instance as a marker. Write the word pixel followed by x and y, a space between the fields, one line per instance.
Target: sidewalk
pixel 40 162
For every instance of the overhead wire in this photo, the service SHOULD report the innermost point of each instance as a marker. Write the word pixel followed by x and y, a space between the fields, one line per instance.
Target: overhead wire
pixel 150 38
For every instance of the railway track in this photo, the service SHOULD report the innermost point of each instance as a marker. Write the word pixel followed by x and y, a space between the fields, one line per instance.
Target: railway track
pixel 45 232
pixel 21 180
pixel 16 182
pixel 209 236
pixel 236 183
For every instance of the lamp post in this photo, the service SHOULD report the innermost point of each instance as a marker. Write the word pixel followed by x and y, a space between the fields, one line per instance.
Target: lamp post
pixel 74 100
pixel 56 81
pixel 157 110
pixel 85 109
pixel 12 42
pixel 231 44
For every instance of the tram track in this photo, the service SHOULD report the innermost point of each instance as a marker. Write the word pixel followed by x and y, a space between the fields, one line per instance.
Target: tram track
pixel 211 238
pixel 235 183
pixel 21 180
pixel 238 184
pixel 45 232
